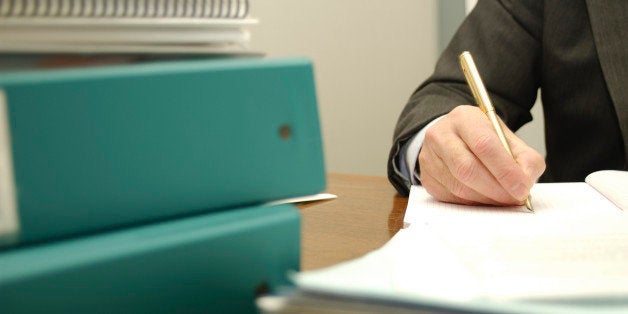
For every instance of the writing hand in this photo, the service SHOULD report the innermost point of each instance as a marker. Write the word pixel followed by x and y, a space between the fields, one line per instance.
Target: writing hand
pixel 462 161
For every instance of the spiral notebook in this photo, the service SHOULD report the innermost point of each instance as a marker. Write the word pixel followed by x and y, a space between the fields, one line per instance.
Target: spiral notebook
pixel 125 26
pixel 236 9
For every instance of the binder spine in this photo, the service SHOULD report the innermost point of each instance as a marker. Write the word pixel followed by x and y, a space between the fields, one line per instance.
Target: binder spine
pixel 227 9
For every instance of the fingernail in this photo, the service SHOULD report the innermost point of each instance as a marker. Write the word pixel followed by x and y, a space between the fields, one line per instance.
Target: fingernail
pixel 519 191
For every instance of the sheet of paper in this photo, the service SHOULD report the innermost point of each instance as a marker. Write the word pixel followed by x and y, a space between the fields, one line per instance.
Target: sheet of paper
pixel 575 244
pixel 418 266
pixel 400 269
pixel 365 275
pixel 612 184
pixel 304 199
pixel 538 257
pixel 547 199
pixel 572 250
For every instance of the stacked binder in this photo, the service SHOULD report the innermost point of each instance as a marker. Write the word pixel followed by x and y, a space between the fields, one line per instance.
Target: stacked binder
pixel 140 187
pixel 125 26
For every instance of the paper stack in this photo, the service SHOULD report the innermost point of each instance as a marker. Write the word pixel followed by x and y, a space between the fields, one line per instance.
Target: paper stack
pixel 567 257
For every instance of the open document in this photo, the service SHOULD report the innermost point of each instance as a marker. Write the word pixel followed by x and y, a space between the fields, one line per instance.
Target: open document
pixel 570 256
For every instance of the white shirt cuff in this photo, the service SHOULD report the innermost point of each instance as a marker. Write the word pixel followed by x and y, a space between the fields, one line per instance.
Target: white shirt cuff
pixel 412 151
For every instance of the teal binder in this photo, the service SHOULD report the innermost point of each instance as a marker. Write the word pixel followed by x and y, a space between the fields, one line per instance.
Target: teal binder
pixel 211 263
pixel 92 149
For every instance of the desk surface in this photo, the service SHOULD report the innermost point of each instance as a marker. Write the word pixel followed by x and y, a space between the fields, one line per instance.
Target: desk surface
pixel 366 214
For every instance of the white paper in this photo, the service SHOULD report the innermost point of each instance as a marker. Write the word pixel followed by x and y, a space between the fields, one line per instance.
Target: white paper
pixel 394 271
pixel 539 257
pixel 547 198
pixel 575 243
pixel 612 184
pixel 304 199
pixel 574 247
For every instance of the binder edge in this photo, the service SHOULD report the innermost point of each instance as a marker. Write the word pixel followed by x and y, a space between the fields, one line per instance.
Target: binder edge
pixel 9 220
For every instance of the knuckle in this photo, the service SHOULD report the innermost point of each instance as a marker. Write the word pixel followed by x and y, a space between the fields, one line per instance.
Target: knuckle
pixel 461 110
pixel 510 173
pixel 464 169
pixel 483 145
pixel 455 113
pixel 431 135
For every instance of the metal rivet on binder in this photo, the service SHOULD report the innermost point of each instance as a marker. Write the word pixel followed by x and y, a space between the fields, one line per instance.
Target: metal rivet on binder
pixel 285 131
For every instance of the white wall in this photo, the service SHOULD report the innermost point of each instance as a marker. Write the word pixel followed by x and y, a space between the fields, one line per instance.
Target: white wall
pixel 369 55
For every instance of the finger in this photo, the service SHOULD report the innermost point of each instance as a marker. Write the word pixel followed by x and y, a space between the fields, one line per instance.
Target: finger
pixel 483 142
pixel 529 159
pixel 432 164
pixel 462 171
pixel 440 192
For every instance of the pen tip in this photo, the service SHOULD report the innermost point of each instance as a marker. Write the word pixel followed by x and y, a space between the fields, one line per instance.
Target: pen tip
pixel 529 204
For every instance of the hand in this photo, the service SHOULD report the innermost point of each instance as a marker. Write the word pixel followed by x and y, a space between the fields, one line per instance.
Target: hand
pixel 463 161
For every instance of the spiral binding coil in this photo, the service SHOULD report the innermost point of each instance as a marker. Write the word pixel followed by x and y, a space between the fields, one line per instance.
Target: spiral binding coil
pixel 230 9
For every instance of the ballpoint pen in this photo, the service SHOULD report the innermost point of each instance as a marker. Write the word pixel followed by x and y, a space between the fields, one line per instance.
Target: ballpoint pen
pixel 480 94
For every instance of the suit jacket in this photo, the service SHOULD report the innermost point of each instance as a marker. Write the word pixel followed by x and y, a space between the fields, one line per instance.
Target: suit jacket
pixel 575 51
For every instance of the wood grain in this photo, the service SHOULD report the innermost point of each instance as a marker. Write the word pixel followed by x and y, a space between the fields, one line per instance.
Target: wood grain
pixel 366 214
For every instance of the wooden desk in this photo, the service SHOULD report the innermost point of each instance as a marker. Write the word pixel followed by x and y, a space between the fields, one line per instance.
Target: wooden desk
pixel 366 214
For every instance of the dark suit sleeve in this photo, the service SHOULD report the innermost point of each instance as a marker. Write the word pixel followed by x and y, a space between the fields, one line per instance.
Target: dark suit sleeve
pixel 504 38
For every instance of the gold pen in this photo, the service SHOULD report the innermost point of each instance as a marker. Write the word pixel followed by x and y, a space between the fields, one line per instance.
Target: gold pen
pixel 480 94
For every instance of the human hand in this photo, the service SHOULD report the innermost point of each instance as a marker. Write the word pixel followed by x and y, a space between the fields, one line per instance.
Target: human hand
pixel 463 161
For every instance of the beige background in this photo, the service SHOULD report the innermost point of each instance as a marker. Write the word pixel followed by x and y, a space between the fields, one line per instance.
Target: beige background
pixel 368 55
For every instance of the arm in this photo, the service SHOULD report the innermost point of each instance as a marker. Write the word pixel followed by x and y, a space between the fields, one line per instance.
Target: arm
pixel 504 38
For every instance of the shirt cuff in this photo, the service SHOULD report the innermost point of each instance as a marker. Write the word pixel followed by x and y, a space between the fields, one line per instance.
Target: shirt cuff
pixel 410 153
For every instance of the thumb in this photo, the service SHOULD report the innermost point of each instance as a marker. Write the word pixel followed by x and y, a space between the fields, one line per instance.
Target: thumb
pixel 530 160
